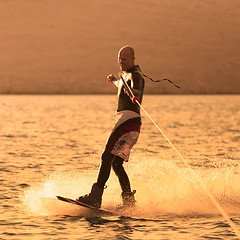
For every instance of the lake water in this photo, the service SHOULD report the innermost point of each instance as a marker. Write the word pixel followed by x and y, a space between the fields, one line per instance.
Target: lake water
pixel 51 145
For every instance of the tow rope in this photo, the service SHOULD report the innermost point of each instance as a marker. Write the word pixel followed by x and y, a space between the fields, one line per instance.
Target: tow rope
pixel 164 79
pixel 202 184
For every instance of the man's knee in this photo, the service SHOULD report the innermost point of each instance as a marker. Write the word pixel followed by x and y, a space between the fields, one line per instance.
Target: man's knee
pixel 107 157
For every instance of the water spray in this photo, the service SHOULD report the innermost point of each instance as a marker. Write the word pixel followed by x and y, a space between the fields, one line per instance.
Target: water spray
pixel 135 100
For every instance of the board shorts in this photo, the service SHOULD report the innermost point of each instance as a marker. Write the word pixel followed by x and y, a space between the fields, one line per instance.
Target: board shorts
pixel 124 134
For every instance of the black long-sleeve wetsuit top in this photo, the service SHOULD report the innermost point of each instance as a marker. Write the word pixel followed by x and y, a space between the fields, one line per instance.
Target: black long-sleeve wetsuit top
pixel 137 84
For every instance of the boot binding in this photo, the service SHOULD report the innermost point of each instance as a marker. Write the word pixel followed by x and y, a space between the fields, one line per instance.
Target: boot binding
pixel 94 198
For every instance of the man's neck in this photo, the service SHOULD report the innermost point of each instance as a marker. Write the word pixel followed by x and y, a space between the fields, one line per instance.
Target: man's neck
pixel 130 68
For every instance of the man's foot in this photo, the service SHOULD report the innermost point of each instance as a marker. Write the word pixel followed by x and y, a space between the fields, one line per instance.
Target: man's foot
pixel 94 198
pixel 128 201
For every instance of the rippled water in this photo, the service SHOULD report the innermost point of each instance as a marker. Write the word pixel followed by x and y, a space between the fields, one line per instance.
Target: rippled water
pixel 51 145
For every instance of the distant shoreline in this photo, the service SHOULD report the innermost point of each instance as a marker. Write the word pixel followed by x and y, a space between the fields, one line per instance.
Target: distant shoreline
pixel 79 94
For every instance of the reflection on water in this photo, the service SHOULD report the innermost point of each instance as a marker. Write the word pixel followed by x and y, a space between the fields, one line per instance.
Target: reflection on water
pixel 51 145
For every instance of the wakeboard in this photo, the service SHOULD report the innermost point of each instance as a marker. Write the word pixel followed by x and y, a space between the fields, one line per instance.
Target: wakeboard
pixel 96 210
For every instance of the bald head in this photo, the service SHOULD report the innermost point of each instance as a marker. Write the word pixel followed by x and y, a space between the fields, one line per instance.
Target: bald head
pixel 126 58
pixel 128 50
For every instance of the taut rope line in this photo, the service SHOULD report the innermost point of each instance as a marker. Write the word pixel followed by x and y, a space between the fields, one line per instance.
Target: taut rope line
pixel 209 194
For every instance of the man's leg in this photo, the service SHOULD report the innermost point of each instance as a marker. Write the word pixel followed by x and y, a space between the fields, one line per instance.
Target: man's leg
pixel 94 198
pixel 118 168
pixel 127 195
pixel 105 168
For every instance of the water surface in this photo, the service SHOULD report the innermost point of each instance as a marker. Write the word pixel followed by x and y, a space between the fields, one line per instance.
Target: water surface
pixel 51 145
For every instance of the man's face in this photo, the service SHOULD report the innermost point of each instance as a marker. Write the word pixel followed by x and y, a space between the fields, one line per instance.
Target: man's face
pixel 125 60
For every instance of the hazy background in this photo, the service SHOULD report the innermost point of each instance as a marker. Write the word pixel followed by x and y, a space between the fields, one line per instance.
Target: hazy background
pixel 69 46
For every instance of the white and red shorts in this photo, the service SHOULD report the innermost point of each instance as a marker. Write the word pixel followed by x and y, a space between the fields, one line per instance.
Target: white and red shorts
pixel 124 134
